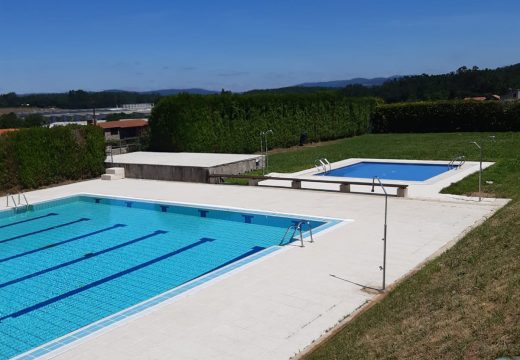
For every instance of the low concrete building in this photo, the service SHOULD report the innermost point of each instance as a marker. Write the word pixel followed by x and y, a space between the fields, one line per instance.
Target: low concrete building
pixel 123 129
pixel 190 167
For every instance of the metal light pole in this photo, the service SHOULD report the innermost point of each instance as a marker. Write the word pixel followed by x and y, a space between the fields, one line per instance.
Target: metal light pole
pixel 480 171
pixel 266 149
pixel 262 150
pixel 384 228
pixel 263 141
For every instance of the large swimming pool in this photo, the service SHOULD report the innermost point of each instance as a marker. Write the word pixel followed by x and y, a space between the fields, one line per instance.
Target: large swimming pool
pixel 389 171
pixel 71 262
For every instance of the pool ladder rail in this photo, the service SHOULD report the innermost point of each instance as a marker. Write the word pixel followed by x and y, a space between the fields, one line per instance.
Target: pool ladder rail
pixel 323 165
pixel 17 206
pixel 298 227
pixel 457 162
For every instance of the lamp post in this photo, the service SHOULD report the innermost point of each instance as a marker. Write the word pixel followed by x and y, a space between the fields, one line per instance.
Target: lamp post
pixel 480 171
pixel 263 142
pixel 262 151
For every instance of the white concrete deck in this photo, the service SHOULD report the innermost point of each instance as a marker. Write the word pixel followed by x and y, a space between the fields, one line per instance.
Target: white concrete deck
pixel 277 306
pixel 180 159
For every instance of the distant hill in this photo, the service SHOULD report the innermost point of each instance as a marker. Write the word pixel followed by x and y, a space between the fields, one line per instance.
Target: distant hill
pixel 458 84
pixel 343 83
pixel 292 90
pixel 167 92
pixel 335 85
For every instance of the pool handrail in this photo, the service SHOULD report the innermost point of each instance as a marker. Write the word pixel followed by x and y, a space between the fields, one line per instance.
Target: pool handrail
pixel 460 158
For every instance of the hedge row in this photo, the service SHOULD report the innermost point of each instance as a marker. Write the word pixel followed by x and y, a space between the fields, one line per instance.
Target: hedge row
pixel 30 158
pixel 446 116
pixel 232 123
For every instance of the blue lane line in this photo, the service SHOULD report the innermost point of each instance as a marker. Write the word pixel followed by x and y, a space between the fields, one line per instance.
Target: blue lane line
pixel 86 257
pixel 253 250
pixel 106 279
pixel 92 328
pixel 61 242
pixel 43 230
pixel 27 220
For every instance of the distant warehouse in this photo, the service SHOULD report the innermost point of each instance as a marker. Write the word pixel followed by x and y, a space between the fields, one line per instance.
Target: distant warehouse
pixel 123 129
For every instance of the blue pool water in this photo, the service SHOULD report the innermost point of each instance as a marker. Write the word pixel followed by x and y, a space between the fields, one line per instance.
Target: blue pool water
pixel 71 262
pixel 389 171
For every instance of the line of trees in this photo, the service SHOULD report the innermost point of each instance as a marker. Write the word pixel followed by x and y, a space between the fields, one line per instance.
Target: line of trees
pixel 446 116
pixel 465 82
pixel 31 158
pixel 232 123
pixel 11 120
pixel 77 99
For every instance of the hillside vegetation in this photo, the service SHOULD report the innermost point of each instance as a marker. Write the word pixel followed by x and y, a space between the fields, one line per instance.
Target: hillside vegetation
pixel 464 82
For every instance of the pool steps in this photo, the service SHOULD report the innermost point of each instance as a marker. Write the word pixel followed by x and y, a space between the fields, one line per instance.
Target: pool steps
pixel 114 173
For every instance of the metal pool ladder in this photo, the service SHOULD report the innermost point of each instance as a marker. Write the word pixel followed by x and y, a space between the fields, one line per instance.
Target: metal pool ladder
pixel 322 165
pixel 457 162
pixel 297 226
pixel 21 196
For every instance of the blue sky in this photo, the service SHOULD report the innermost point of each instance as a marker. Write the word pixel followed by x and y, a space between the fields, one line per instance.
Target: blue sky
pixel 55 45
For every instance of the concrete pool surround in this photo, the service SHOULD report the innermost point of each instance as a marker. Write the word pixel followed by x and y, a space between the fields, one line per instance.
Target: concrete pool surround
pixel 279 304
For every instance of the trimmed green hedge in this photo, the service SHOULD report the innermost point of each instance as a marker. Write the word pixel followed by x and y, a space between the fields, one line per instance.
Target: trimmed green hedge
pixel 446 116
pixel 232 123
pixel 31 158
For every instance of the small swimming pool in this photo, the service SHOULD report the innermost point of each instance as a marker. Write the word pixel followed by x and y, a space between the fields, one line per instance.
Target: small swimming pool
pixel 389 171
pixel 72 262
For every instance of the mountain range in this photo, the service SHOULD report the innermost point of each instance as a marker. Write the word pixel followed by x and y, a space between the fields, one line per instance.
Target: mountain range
pixel 356 81
pixel 368 82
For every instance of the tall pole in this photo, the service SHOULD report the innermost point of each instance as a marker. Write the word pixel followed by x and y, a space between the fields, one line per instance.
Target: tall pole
pixel 266 157
pixel 480 178
pixel 480 171
pixel 384 228
pixel 266 160
pixel 262 151
pixel 384 241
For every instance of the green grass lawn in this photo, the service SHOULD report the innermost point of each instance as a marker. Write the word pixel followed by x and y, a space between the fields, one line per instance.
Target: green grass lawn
pixel 465 303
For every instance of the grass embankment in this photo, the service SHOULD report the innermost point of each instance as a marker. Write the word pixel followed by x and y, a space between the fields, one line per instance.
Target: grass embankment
pixel 465 303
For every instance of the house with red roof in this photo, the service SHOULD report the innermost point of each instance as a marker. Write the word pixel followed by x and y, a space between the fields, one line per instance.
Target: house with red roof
pixel 5 131
pixel 123 129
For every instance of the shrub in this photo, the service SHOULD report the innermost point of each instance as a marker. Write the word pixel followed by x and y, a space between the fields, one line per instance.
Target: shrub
pixel 446 116
pixel 232 123
pixel 30 158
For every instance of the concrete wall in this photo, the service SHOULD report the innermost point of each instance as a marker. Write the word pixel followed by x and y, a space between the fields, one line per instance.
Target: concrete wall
pixel 186 173
pixel 236 168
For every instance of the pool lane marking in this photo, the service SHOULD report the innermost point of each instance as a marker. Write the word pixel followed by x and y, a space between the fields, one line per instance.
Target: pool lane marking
pixel 106 279
pixel 77 260
pixel 44 230
pixel 27 220
pixel 253 250
pixel 50 246
pixel 139 307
